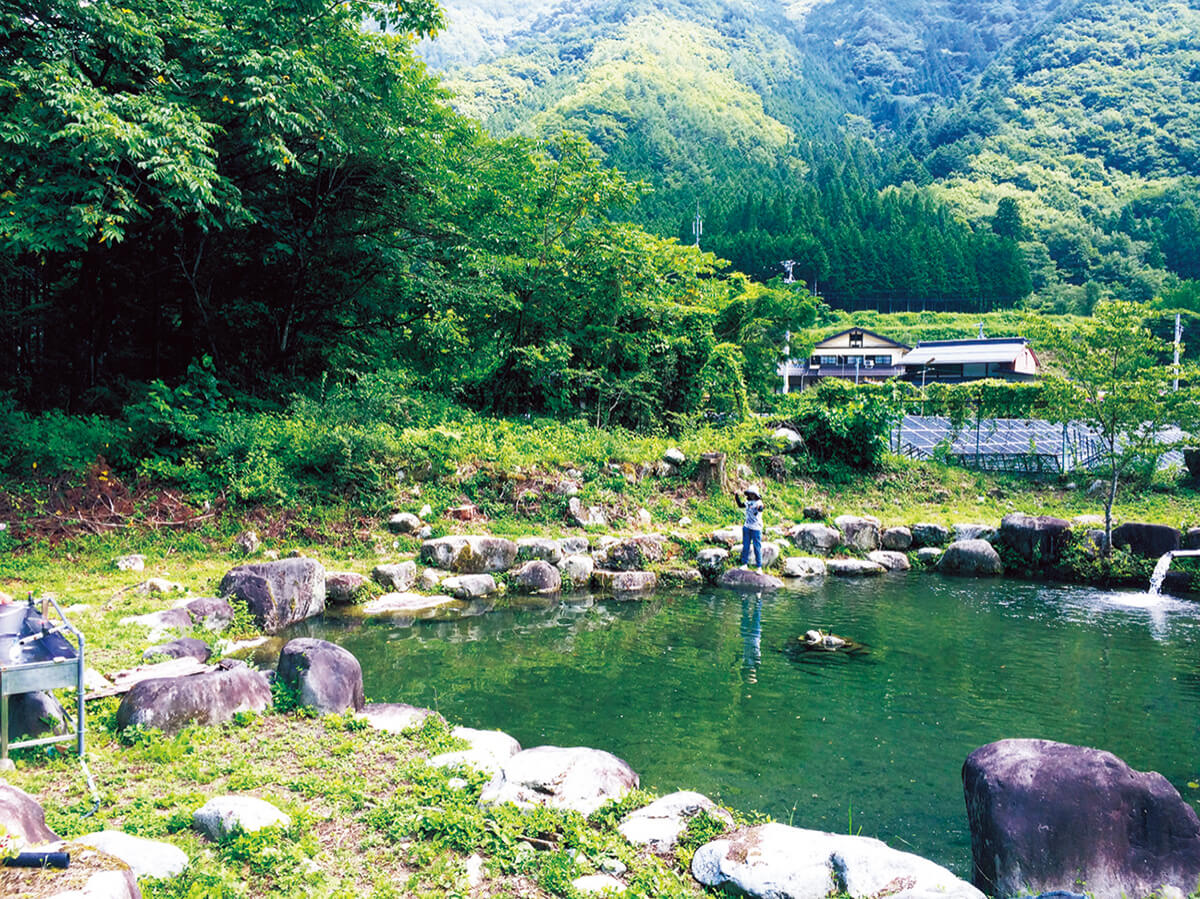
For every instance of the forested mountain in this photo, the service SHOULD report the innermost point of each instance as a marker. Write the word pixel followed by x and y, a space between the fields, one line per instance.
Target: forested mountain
pixel 874 143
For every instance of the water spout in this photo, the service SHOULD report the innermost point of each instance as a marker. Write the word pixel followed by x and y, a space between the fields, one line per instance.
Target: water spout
pixel 1164 564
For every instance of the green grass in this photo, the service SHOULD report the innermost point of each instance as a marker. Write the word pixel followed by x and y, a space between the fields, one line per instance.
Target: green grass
pixel 369 818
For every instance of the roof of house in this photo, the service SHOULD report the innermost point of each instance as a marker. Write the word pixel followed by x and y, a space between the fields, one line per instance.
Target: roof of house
pixel 864 331
pixel 958 352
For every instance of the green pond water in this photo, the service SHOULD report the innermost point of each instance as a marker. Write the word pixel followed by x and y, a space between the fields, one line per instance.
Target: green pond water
pixel 706 691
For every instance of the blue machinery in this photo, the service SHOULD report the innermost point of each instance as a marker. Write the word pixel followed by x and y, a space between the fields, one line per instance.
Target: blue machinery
pixel 37 654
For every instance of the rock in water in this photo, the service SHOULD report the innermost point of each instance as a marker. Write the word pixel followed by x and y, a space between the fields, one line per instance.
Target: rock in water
pixel 1044 815
pixel 972 558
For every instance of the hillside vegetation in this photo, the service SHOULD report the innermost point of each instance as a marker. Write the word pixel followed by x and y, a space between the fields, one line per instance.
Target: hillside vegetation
pixel 1078 115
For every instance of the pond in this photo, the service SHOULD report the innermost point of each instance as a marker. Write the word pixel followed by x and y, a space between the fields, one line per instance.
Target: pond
pixel 708 691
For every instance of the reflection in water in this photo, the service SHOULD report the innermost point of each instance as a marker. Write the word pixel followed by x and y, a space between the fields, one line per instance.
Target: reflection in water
pixel 751 636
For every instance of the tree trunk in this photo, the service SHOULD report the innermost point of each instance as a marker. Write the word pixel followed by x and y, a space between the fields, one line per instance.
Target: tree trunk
pixel 711 470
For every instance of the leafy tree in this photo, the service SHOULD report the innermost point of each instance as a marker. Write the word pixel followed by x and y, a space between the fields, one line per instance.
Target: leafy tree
pixel 182 175
pixel 1121 387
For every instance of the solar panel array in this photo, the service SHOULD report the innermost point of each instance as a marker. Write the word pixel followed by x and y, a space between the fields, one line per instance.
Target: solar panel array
pixel 1011 444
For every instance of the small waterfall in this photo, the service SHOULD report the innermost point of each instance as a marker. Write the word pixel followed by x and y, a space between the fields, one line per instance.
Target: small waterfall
pixel 1160 573
pixel 1160 570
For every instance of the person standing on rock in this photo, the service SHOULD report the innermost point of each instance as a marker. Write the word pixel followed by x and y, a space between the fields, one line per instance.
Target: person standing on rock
pixel 752 527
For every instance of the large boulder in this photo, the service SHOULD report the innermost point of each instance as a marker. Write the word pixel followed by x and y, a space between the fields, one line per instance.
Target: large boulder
pixel 712 561
pixel 488 752
pixel 891 559
pixel 1149 541
pixel 1044 815
pixel 170 703
pixel 1038 539
pixel 591 516
pixel 404 523
pixel 323 676
pixel 35 714
pixel 771 551
pixel 546 549
pixel 537 577
pixel 973 558
pixel 804 566
pixel 730 536
pixel 635 553
pixel 280 593
pixel 659 825
pixel 576 545
pixel 775 861
pixel 213 613
pixel 624 583
pixel 471 586
pixel 470 555
pixel 223 816
pixel 854 567
pixel 927 533
pixel 787 440
pixel 749 579
pixel 897 539
pixel 577 569
pixel 146 858
pixel 183 648
pixel 22 816
pixel 968 531
pixel 558 777
pixel 395 576
pixel 411 605
pixel 859 531
pixel 345 588
pixel 395 717
pixel 816 539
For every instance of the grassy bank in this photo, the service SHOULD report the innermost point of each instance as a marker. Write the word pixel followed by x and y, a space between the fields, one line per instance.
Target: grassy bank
pixel 369 817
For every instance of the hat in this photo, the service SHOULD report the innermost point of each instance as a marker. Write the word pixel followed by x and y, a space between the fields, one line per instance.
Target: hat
pixel 752 490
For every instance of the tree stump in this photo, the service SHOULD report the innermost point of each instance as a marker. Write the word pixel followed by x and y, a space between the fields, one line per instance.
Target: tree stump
pixel 710 469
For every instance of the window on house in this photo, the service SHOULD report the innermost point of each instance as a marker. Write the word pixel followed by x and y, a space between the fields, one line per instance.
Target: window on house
pixel 882 360
pixel 827 360
pixel 856 338
pixel 854 360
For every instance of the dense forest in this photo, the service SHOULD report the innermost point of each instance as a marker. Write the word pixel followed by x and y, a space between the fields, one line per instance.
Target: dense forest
pixel 1036 151
pixel 261 197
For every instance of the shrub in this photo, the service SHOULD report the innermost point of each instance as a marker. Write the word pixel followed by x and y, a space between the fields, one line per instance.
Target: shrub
pixel 842 423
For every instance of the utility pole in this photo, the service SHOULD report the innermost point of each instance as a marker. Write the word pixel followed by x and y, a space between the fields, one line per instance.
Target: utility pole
pixel 697 225
pixel 788 265
pixel 1178 337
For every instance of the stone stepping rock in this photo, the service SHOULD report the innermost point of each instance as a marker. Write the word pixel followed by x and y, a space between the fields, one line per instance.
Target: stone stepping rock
pixel 749 579
pixel 414 604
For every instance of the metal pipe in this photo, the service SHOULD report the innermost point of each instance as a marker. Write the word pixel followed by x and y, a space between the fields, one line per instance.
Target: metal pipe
pixel 39 860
